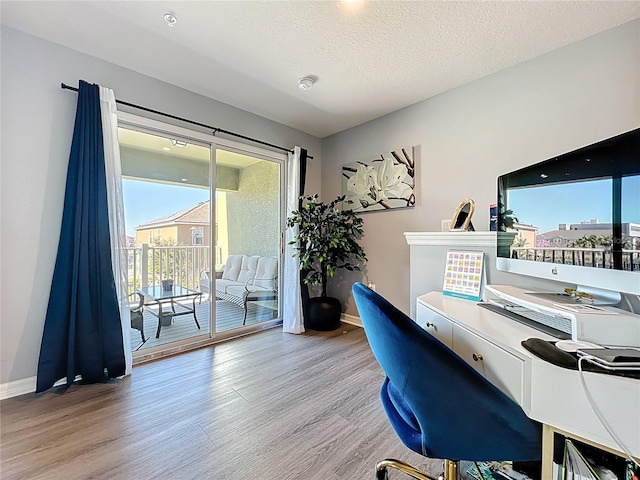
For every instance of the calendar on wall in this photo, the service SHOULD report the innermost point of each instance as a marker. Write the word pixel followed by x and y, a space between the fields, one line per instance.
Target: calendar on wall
pixel 464 274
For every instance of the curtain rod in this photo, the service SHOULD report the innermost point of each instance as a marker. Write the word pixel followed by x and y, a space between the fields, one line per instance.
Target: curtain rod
pixel 215 129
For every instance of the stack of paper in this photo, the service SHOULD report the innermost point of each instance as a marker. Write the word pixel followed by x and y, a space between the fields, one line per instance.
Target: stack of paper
pixel 576 466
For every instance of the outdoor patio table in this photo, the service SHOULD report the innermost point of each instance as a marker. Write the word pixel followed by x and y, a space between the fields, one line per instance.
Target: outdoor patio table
pixel 155 295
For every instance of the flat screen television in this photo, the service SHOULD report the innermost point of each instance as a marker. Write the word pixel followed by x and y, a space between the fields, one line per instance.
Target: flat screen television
pixel 575 218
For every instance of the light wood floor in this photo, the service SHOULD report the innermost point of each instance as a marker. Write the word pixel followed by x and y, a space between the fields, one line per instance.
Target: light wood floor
pixel 269 406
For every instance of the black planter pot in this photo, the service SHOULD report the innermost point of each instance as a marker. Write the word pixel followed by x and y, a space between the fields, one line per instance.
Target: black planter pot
pixel 324 313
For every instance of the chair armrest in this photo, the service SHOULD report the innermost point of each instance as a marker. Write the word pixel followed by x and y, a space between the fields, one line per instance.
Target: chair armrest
pixel 249 282
pixel 140 302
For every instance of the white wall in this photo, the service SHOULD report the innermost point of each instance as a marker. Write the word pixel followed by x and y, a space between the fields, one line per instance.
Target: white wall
pixel 569 98
pixel 256 205
pixel 36 124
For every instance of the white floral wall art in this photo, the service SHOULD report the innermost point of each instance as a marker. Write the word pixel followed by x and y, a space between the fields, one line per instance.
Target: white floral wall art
pixel 382 183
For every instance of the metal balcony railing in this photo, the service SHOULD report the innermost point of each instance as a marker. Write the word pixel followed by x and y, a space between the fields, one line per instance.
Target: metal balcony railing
pixel 149 265
pixel 592 257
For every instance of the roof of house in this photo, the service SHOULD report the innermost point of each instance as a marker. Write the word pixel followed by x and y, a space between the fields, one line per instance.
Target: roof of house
pixel 196 214
pixel 524 226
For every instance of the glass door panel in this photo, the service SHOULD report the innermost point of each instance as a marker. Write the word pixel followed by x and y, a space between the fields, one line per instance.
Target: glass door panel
pixel 247 243
pixel 166 193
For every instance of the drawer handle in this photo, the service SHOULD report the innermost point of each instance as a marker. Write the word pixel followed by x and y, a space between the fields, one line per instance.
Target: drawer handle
pixel 477 356
pixel 429 324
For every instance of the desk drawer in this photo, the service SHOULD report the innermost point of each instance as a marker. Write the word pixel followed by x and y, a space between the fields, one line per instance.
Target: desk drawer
pixel 435 324
pixel 501 368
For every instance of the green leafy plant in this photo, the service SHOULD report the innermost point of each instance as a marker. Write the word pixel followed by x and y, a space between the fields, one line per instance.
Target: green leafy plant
pixel 595 241
pixel 509 218
pixel 327 239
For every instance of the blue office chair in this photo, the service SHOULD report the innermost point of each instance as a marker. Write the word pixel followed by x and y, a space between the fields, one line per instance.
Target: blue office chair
pixel 438 405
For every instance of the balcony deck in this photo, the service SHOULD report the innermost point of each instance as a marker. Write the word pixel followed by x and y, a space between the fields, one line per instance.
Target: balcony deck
pixel 228 316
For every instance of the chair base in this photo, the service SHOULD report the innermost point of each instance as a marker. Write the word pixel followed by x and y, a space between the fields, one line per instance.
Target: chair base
pixel 451 470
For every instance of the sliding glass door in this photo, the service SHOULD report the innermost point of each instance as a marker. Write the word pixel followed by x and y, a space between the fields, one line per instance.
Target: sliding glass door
pixel 204 222
pixel 248 239
pixel 166 192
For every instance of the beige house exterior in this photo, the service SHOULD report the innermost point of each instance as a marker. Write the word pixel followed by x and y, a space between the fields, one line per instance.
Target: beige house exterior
pixel 186 227
pixel 526 234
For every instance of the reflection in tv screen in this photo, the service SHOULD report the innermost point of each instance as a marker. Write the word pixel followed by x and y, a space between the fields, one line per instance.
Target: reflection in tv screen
pixel 573 223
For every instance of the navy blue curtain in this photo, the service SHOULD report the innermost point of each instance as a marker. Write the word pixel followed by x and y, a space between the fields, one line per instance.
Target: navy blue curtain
pixel 82 329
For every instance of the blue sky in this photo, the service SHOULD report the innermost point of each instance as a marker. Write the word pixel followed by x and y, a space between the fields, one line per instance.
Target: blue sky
pixel 146 201
pixel 549 205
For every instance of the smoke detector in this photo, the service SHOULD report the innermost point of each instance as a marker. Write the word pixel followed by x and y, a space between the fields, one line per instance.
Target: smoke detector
pixel 305 83
pixel 171 19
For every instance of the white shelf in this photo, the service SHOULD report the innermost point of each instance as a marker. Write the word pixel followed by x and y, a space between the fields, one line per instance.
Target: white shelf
pixel 452 239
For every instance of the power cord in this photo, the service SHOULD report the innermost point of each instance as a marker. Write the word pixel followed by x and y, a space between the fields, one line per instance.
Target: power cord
pixel 597 411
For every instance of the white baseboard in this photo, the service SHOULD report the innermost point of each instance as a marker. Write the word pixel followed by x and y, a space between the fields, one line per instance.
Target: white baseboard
pixel 17 387
pixel 351 319
pixel 23 386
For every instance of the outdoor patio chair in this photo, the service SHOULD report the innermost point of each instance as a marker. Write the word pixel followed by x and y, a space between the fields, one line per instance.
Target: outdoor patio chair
pixel 136 310
pixel 205 283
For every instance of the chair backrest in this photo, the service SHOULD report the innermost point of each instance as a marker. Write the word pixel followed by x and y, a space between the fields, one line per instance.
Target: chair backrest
pixel 267 273
pixel 439 405
pixel 256 270
pixel 248 268
pixel 232 267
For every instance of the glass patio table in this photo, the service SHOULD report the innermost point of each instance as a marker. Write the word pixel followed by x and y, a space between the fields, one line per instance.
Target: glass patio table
pixel 155 295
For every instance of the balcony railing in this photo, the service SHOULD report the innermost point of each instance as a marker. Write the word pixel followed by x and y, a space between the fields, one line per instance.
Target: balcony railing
pixel 592 257
pixel 149 265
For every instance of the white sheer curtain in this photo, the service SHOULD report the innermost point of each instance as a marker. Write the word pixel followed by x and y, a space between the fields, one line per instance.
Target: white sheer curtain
pixel 292 319
pixel 113 171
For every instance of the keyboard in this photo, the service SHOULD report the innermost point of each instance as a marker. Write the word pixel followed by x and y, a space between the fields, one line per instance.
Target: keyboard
pixel 555 325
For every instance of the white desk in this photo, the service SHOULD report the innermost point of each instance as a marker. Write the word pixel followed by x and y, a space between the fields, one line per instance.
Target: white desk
pixel 549 394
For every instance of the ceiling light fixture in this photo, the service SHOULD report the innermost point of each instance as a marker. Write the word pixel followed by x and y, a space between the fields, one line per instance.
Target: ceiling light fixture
pixel 351 6
pixel 305 83
pixel 171 19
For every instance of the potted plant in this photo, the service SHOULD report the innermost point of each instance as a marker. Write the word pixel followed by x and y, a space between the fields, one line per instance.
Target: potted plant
pixel 327 240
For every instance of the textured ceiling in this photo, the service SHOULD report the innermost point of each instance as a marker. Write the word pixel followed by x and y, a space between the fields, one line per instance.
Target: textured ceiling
pixel 370 58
